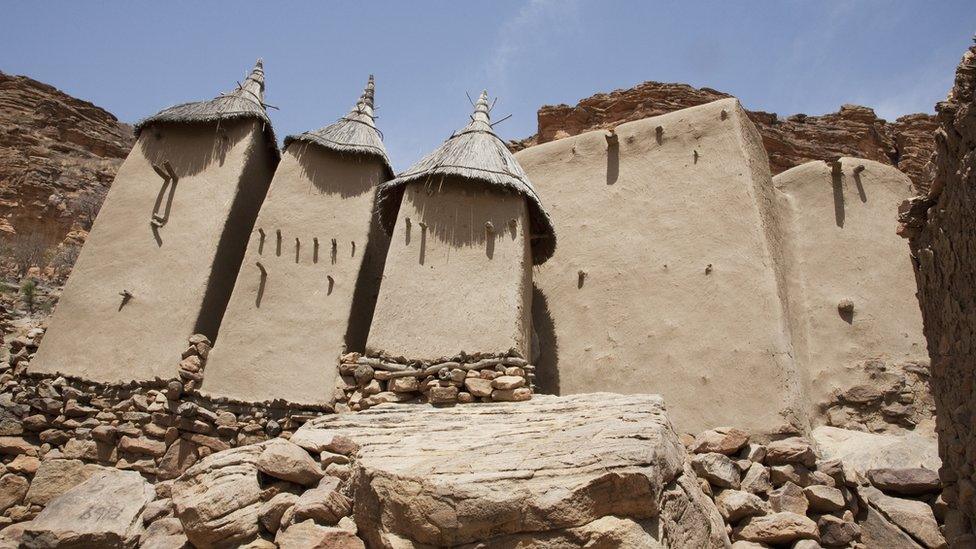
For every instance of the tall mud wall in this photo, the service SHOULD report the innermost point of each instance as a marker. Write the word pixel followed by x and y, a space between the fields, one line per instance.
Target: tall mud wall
pixel 850 283
pixel 665 279
pixel 159 249
pixel 942 234
pixel 289 316
pixel 791 140
pixel 452 285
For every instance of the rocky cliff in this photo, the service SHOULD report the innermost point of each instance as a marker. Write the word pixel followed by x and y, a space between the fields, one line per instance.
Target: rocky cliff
pixel 940 228
pixel 852 131
pixel 58 156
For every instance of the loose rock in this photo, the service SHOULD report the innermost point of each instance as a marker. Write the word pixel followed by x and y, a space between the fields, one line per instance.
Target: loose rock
pixel 717 469
pixel 777 528
pixel 723 440
pixel 287 461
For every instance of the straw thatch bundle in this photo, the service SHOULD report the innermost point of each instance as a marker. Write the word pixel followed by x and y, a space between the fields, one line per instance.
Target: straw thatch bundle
pixel 247 101
pixel 476 153
pixel 354 133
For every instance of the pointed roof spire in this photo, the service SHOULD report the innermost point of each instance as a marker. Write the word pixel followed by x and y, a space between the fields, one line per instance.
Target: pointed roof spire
pixel 482 113
pixel 245 101
pixel 254 83
pixel 474 153
pixel 363 111
pixel 354 133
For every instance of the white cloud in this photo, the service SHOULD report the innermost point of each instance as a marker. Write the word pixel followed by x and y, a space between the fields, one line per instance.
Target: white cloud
pixel 529 31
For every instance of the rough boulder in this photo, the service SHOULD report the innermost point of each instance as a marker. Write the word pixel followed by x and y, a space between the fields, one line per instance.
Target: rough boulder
pixel 550 467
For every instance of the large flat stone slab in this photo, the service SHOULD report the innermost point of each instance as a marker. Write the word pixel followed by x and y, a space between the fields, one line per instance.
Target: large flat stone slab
pixel 866 451
pixel 449 476
pixel 103 511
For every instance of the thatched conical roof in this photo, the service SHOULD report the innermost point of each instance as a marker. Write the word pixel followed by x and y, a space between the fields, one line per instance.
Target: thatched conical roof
pixel 475 152
pixel 354 133
pixel 246 101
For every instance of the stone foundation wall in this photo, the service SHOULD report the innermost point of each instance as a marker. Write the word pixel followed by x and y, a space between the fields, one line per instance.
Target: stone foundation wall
pixel 223 474
pixel 56 430
pixel 367 381
pixel 942 239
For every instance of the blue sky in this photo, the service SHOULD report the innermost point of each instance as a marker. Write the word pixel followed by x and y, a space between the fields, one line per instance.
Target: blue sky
pixel 135 58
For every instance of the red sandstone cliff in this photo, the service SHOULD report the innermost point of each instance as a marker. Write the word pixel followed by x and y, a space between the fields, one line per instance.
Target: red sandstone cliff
pixel 852 131
pixel 58 156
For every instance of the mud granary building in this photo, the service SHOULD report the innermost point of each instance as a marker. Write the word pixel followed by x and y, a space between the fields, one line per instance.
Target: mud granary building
pixel 320 279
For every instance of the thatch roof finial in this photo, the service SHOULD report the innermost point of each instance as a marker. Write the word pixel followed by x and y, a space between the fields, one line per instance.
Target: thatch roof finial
pixel 354 133
pixel 369 92
pixel 254 83
pixel 481 111
pixel 365 104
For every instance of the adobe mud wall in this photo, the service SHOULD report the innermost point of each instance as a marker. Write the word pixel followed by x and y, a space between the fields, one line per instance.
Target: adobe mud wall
pixel 457 274
pixel 665 280
pixel 287 322
pixel 850 286
pixel 160 246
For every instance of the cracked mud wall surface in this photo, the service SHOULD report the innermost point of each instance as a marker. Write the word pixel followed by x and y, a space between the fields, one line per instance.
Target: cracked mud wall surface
pixel 284 330
pixel 166 271
pixel 680 295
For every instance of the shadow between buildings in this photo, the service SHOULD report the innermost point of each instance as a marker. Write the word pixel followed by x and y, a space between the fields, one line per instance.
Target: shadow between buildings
pixel 252 187
pixel 367 284
pixel 546 343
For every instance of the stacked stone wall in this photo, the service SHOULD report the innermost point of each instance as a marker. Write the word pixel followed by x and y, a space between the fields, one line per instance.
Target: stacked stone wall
pixel 52 427
pixel 940 228
pixel 367 381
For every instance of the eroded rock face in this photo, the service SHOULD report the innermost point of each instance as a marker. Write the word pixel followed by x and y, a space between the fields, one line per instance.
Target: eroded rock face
pixel 851 131
pixel 219 499
pixel 103 511
pixel 58 156
pixel 57 476
pixel 942 235
pixel 499 471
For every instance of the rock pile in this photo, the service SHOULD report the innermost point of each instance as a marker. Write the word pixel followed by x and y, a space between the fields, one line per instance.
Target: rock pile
pixel 367 381
pixel 596 470
pixel 55 432
pixel 589 470
pixel 894 397
pixel 22 349
pixel 194 361
pixel 783 494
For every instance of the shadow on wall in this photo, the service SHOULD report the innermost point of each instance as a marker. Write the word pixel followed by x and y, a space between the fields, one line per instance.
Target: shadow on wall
pixel 479 217
pixel 837 177
pixel 613 162
pixel 348 179
pixel 186 155
pixel 251 189
pixel 367 285
pixel 837 182
pixel 544 337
